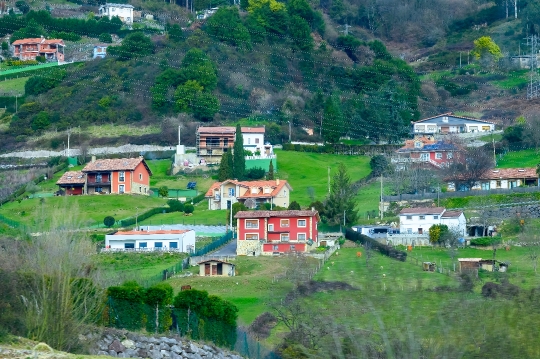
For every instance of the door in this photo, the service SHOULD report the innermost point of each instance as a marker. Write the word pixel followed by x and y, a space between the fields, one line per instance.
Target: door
pixel 420 231
pixel 121 188
pixel 207 269
pixel 220 269
pixel 214 270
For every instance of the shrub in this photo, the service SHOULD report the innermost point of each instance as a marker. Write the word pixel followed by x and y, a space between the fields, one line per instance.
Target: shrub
pixel 105 37
pixel 175 205
pixel 189 208
pixel 255 173
pixel 109 221
pixel 383 249
pixel 484 241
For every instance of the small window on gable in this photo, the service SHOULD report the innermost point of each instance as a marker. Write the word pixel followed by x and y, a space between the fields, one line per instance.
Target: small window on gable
pixel 266 189
pixel 418 144
pixel 254 190
pixel 140 176
pixel 409 217
pixel 422 217
pixel 435 217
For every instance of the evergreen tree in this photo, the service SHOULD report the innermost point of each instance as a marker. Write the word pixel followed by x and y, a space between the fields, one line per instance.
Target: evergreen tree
pixel 271 170
pixel 230 162
pixel 294 206
pixel 332 121
pixel 341 199
pixel 239 161
pixel 223 173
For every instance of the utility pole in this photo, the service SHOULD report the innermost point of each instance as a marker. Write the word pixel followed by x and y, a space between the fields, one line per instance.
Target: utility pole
pixel 346 31
pixel 382 203
pixel 69 135
pixel 468 52
pixel 328 180
pixel 494 156
pixel 290 128
pixel 460 59
pixel 179 127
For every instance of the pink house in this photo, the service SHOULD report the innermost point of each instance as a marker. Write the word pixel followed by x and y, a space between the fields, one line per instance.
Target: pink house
pixel 276 232
pixel 29 49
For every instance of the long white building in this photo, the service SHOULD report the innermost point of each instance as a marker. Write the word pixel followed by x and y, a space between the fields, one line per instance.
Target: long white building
pixel 160 240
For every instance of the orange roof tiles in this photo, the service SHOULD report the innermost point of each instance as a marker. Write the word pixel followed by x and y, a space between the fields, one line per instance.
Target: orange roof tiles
pixel 267 214
pixel 229 129
pixel 168 231
pixel 72 177
pixel 507 173
pixel 115 164
pixel 274 185
pixel 36 40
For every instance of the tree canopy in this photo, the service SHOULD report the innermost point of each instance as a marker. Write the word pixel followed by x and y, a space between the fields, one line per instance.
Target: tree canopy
pixel 341 199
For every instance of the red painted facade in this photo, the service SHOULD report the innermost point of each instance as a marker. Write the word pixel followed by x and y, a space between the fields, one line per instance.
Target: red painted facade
pixel 280 234
pixel 74 191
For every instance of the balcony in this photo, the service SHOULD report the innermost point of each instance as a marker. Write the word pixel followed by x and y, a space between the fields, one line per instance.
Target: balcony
pixel 97 184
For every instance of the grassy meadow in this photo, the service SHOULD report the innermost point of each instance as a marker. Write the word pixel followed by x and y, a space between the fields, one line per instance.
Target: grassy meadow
pixel 519 159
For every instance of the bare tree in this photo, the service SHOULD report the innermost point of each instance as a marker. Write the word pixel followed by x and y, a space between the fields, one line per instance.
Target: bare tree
pixel 468 166
pixel 532 126
pixel 530 238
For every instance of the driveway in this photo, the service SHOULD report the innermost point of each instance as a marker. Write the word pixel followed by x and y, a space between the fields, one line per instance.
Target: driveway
pixel 227 250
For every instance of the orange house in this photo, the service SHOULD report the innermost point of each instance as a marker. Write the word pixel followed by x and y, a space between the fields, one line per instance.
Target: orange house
pixel 29 49
pixel 121 175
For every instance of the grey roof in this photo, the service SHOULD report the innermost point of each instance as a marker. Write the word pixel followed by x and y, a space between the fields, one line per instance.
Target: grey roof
pixel 452 120
pixel 117 5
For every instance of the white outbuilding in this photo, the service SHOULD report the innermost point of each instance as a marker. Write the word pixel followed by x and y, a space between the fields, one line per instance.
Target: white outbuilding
pixel 159 240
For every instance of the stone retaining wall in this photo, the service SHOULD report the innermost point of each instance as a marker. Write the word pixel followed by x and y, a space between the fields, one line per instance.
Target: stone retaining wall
pixel 124 344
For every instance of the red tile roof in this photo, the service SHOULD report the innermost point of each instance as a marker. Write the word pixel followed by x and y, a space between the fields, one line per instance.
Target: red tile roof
pixel 168 231
pixel 32 41
pixel 422 210
pixel 72 177
pixel 230 129
pixel 510 173
pixel 275 185
pixel 268 214
pixel 54 42
pixel 115 164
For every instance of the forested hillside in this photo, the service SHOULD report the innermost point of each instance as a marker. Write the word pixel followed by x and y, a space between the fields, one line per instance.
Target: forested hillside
pixel 277 62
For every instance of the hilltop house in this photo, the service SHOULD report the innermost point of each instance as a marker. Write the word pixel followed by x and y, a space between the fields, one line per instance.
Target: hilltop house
pixel 221 195
pixel 214 141
pixel 123 11
pixel 419 220
pixel 161 240
pixel 449 123
pixel 501 178
pixel 276 232
pixel 100 51
pixel 29 49
pixel 120 175
pixel 425 150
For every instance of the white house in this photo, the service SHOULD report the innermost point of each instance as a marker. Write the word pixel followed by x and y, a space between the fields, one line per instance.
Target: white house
pixel 419 220
pixel 100 50
pixel 501 178
pixel 160 240
pixel 123 11
pixel 447 123
pixel 253 138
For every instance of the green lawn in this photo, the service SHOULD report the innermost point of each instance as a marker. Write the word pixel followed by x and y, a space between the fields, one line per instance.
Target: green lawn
pixel 201 216
pixel 488 138
pixel 77 211
pixel 160 177
pixel 514 79
pixel 519 159
pixel 304 169
pixel 13 87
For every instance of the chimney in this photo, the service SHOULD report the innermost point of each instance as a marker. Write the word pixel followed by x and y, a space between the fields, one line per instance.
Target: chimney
pixel 93 159
pixel 277 181
pixel 312 209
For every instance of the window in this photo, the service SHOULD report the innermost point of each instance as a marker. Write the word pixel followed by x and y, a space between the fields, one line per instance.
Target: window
pixel 143 245
pixel 301 223
pixel 498 184
pixel 252 236
pixel 438 155
pixel 140 189
pixel 98 178
pixel 270 227
pixel 409 217
pixel 424 156
pixel 284 223
pixel 256 140
pixel 293 247
pixel 121 176
pixel 145 190
pixel 449 155
pixel 266 189
pixel 231 192
pixel 435 217
pixel 275 248
pixel 301 236
pixel 129 245
pixel 212 142
pixel 422 217
pixel 249 141
pixel 121 188
pixel 418 144
pixel 99 189
pixel 252 223
pixel 173 245
pixel 225 142
pixel 140 176
pixel 285 237
pixel 158 245
pixel 409 230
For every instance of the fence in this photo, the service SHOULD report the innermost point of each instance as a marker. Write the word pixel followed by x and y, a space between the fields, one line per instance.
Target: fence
pixel 458 194
pixel 214 245
pixel 251 348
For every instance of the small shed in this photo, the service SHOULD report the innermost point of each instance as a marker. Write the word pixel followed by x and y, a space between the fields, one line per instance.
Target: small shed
pixel 216 267
pixel 469 264
pixel 429 266
pixel 488 265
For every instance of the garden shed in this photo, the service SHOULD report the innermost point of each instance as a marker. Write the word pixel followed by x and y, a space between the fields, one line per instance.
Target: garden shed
pixel 469 264
pixel 216 267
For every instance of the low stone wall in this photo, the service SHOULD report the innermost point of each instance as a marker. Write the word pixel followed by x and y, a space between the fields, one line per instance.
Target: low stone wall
pixel 123 344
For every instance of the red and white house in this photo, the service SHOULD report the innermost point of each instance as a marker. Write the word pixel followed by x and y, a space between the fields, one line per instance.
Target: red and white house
pixel 425 150
pixel 276 232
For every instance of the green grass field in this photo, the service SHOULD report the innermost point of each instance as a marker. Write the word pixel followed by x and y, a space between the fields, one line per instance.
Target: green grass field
pixel 13 87
pixel 304 169
pixel 201 216
pixel 519 159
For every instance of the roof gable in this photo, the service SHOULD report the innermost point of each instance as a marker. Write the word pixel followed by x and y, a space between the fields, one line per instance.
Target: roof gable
pixel 275 187
pixel 451 117
pixel 72 177
pixel 116 164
